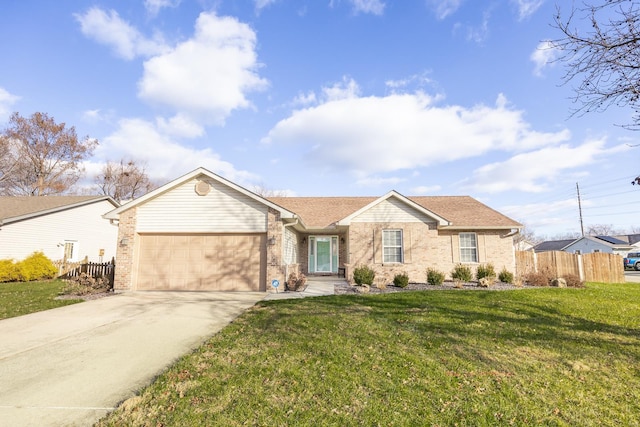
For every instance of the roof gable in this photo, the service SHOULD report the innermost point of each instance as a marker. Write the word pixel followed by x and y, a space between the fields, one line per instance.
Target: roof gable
pixel 114 214
pixel 394 195
pixel 19 208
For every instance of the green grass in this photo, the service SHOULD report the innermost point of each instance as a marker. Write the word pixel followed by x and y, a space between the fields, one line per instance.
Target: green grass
pixel 19 298
pixel 559 357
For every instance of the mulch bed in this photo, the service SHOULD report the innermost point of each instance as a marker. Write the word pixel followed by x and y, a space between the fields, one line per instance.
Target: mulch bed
pixel 345 288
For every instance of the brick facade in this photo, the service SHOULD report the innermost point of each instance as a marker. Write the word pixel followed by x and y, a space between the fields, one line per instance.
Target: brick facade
pixel 125 253
pixel 424 247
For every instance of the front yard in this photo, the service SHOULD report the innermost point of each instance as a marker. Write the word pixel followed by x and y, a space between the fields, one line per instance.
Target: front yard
pixel 543 356
pixel 19 298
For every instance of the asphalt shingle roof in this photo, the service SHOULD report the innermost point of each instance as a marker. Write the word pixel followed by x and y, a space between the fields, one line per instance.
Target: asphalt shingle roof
pixel 25 206
pixel 461 211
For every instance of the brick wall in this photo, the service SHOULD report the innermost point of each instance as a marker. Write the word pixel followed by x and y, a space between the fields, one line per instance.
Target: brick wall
pixel 125 250
pixel 424 247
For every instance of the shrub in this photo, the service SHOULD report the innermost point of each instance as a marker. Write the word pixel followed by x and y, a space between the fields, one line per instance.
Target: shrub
pixel 462 273
pixel 401 280
pixel 485 271
pixel 8 271
pixel 505 276
pixel 84 284
pixel 36 267
pixel 434 277
pixel 540 278
pixel 295 282
pixel 364 275
pixel 573 281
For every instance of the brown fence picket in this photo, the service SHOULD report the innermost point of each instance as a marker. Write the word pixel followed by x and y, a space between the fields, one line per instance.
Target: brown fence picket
pixel 592 267
pixel 106 269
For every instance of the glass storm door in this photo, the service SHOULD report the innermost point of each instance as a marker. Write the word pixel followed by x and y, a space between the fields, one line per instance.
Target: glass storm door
pixel 323 254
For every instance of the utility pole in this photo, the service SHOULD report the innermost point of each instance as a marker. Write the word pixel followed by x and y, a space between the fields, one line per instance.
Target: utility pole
pixel 580 209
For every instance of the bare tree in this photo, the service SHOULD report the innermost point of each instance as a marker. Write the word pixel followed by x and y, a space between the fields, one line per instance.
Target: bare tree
pixel 47 157
pixel 124 181
pixel 263 191
pixel 605 58
pixel 8 160
pixel 525 237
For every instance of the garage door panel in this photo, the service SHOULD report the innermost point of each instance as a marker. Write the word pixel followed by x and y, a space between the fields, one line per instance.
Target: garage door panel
pixel 202 262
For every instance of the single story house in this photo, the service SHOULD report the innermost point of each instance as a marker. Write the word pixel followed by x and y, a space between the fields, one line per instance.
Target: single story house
pixel 62 227
pixel 203 232
pixel 606 244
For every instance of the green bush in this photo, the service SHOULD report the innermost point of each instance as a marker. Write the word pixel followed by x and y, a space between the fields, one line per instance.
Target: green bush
pixel 8 271
pixel 401 280
pixel 505 276
pixel 364 275
pixel 36 267
pixel 434 277
pixel 485 271
pixel 462 273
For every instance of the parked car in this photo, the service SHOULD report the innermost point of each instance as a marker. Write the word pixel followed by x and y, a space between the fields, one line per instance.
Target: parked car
pixel 632 260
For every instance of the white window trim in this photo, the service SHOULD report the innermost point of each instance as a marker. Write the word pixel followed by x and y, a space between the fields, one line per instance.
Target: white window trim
pixel 475 238
pixel 401 246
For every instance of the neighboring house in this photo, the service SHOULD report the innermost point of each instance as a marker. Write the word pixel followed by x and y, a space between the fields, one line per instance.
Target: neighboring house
pixel 607 244
pixel 631 239
pixel 552 245
pixel 522 245
pixel 203 232
pixel 62 227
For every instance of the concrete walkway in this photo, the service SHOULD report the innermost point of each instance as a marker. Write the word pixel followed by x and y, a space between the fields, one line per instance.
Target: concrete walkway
pixel 316 286
pixel 71 365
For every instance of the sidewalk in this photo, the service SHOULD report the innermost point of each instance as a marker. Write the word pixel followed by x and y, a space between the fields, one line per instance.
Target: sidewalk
pixel 316 286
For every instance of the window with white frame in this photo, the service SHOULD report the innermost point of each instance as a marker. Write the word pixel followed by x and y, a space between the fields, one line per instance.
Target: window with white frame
pixel 391 246
pixel 468 247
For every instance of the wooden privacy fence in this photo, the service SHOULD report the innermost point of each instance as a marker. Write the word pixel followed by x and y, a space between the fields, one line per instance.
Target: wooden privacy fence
pixel 67 270
pixel 593 267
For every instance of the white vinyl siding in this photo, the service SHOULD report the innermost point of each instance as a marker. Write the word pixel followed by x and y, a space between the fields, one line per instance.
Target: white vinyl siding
pixel 392 246
pixel 48 233
pixel 182 210
pixel 392 210
pixel 290 247
pixel 468 247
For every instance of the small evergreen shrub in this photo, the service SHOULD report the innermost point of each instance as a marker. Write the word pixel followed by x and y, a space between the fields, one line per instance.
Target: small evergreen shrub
pixel 485 271
pixel 434 277
pixel 401 280
pixel 462 273
pixel 505 276
pixel 364 275
pixel 36 267
pixel 8 271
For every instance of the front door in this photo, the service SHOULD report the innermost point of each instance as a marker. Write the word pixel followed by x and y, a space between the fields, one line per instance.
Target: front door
pixel 323 254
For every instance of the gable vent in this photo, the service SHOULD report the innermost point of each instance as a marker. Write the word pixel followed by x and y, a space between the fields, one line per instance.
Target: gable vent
pixel 202 188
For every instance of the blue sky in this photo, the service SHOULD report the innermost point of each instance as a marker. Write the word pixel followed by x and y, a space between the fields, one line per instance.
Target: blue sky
pixel 329 97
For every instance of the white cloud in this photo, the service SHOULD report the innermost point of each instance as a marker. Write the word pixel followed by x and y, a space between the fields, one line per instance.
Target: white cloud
pixel 109 29
pixel 527 8
pixel 345 89
pixel 180 126
pixel 444 8
pixel 305 99
pixel 6 103
pixel 426 189
pixel 261 4
pixel 544 56
pixel 534 171
pixel 372 135
pixel 165 158
pixel 154 6
pixel 208 75
pixel 375 7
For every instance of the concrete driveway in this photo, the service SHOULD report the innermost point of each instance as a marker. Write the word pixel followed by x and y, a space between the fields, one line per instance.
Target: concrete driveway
pixel 71 365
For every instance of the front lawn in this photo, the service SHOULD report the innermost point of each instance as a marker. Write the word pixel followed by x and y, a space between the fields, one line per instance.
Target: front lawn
pixel 19 298
pixel 533 357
